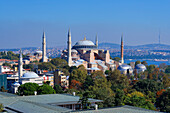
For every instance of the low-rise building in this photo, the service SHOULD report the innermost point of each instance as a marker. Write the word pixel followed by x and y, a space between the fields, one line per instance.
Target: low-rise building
pixel 61 79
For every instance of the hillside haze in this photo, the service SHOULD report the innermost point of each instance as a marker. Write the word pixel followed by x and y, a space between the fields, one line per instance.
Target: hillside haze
pixel 146 46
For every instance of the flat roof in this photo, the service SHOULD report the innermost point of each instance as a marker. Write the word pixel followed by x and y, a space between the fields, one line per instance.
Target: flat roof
pixel 119 109
pixel 39 103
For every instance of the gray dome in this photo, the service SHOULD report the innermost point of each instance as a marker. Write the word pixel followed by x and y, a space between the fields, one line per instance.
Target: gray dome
pixel 30 75
pixel 140 66
pixel 124 67
pixel 84 42
pixel 74 51
pixel 38 52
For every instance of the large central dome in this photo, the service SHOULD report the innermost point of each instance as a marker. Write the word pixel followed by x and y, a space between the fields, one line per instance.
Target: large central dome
pixel 84 44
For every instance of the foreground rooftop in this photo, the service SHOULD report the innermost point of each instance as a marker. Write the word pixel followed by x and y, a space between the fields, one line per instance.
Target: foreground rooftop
pixel 49 104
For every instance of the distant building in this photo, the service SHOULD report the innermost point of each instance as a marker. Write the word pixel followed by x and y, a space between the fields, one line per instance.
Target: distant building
pixel 61 79
pixel 31 77
pixel 4 69
pixel 86 53
pixel 3 81
pixel 140 68
pixel 47 76
pixel 125 69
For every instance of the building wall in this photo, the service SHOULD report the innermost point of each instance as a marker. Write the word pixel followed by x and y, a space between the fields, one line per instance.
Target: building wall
pixel 3 80
pixel 38 81
pixel 4 69
pixel 60 79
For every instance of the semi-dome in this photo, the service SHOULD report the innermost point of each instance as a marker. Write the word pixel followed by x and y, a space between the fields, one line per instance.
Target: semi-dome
pixel 38 52
pixel 84 44
pixel 30 75
pixel 140 66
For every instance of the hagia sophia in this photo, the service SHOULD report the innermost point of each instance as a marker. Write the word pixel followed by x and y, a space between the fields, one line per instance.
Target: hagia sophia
pixel 86 53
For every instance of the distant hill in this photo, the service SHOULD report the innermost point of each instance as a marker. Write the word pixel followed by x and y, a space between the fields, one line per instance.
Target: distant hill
pixel 146 46
pixel 109 45
pixel 31 48
pixel 16 49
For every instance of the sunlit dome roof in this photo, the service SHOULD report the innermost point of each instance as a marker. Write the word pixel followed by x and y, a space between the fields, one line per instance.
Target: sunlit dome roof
pixel 84 42
pixel 140 66
pixel 30 75
pixel 38 52
pixel 74 51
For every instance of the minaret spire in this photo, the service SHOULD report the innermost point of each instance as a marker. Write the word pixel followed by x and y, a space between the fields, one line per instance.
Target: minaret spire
pixel 96 41
pixel 159 38
pixel 44 58
pixel 20 66
pixel 122 59
pixel 69 58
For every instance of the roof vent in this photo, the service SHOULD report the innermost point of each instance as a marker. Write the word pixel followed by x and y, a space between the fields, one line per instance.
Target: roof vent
pixel 74 93
pixel 96 107
pixel 35 92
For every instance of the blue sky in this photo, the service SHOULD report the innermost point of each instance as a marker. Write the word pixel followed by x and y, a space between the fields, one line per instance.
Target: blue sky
pixel 23 21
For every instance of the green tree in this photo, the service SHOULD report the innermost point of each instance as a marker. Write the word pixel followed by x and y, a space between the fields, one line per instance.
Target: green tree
pixel 107 72
pixel 144 63
pixel 6 64
pixel 45 89
pixel 137 62
pixel 101 89
pixel 88 82
pixel 46 82
pixel 148 85
pixel 58 89
pixel 10 55
pixel 29 66
pixel 167 70
pixel 163 102
pixel 119 96
pixel 58 62
pixel 138 101
pixel 163 66
pixel 117 59
pixel 79 74
pixel 1 107
pixel 166 81
pixel 150 68
pixel 27 89
pixel 118 80
pixel 46 66
pixel 84 100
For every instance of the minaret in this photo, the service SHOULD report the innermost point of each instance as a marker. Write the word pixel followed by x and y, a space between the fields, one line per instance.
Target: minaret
pixel 69 59
pixel 96 41
pixel 159 38
pixel 20 66
pixel 44 58
pixel 122 60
